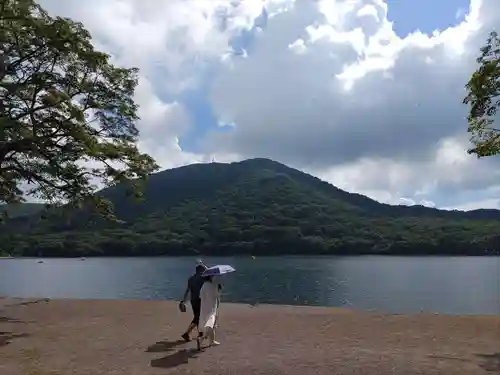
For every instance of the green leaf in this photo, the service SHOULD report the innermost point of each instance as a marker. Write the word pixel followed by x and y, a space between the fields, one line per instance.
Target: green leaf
pixel 483 98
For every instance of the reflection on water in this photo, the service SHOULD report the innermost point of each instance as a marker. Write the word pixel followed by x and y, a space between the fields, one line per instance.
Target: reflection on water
pixel 468 285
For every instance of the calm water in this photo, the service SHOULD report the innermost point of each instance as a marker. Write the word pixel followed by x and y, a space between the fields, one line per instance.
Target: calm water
pixel 468 285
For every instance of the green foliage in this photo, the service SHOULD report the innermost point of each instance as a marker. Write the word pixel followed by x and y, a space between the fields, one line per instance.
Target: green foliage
pixel 67 115
pixel 483 96
pixel 257 207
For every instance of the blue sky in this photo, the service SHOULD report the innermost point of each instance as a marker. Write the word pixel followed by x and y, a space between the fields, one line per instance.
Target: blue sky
pixel 425 15
pixel 197 101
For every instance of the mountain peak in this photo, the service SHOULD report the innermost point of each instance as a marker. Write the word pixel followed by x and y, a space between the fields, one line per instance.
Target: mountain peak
pixel 256 206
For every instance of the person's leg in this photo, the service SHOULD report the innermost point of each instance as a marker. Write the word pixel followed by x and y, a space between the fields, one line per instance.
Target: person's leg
pixel 216 324
pixel 211 337
pixel 199 339
pixel 196 307
pixel 187 335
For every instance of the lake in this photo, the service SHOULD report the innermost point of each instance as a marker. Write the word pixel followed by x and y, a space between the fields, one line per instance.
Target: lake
pixel 452 285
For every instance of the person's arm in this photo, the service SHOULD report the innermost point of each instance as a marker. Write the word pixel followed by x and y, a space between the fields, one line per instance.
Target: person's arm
pixel 185 294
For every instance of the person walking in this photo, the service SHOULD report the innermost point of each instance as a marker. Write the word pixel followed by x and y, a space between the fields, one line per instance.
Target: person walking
pixel 210 299
pixel 194 285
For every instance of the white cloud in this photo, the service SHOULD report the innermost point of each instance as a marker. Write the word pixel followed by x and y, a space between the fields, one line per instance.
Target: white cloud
pixel 492 203
pixel 326 86
pixel 345 97
pixel 172 42
pixel 161 124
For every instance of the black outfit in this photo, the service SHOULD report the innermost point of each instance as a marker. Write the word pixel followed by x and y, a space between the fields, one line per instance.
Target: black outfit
pixel 195 283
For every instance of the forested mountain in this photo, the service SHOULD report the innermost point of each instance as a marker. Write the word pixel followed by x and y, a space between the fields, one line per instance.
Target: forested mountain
pixel 258 207
pixel 18 210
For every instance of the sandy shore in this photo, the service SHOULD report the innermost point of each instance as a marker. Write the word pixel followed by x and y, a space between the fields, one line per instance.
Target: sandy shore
pixel 76 337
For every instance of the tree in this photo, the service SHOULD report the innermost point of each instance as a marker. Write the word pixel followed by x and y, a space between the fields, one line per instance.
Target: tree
pixel 483 97
pixel 67 115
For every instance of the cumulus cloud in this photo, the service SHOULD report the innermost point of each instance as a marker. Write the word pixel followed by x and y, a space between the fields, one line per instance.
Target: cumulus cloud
pixel 171 39
pixel 173 43
pixel 347 98
pixel 326 86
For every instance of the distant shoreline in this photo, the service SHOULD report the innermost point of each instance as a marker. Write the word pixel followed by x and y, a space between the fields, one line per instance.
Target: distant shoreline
pixel 241 256
pixel 274 307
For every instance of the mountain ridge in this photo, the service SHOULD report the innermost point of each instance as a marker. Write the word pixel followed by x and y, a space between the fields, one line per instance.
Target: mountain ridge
pixel 255 206
pixel 481 213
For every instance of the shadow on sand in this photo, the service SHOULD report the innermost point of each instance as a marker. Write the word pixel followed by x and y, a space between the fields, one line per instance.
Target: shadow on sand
pixel 174 357
pixel 180 357
pixel 449 358
pixel 490 362
pixel 164 346
pixel 29 302
pixel 6 319
pixel 7 337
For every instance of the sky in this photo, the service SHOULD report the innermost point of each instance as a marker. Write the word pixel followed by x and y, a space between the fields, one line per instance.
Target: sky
pixel 365 94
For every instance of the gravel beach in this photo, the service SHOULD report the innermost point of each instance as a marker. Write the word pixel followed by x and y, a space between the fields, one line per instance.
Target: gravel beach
pixel 98 337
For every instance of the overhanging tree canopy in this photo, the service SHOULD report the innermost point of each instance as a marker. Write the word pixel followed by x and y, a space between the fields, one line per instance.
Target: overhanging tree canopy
pixel 67 115
pixel 483 97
